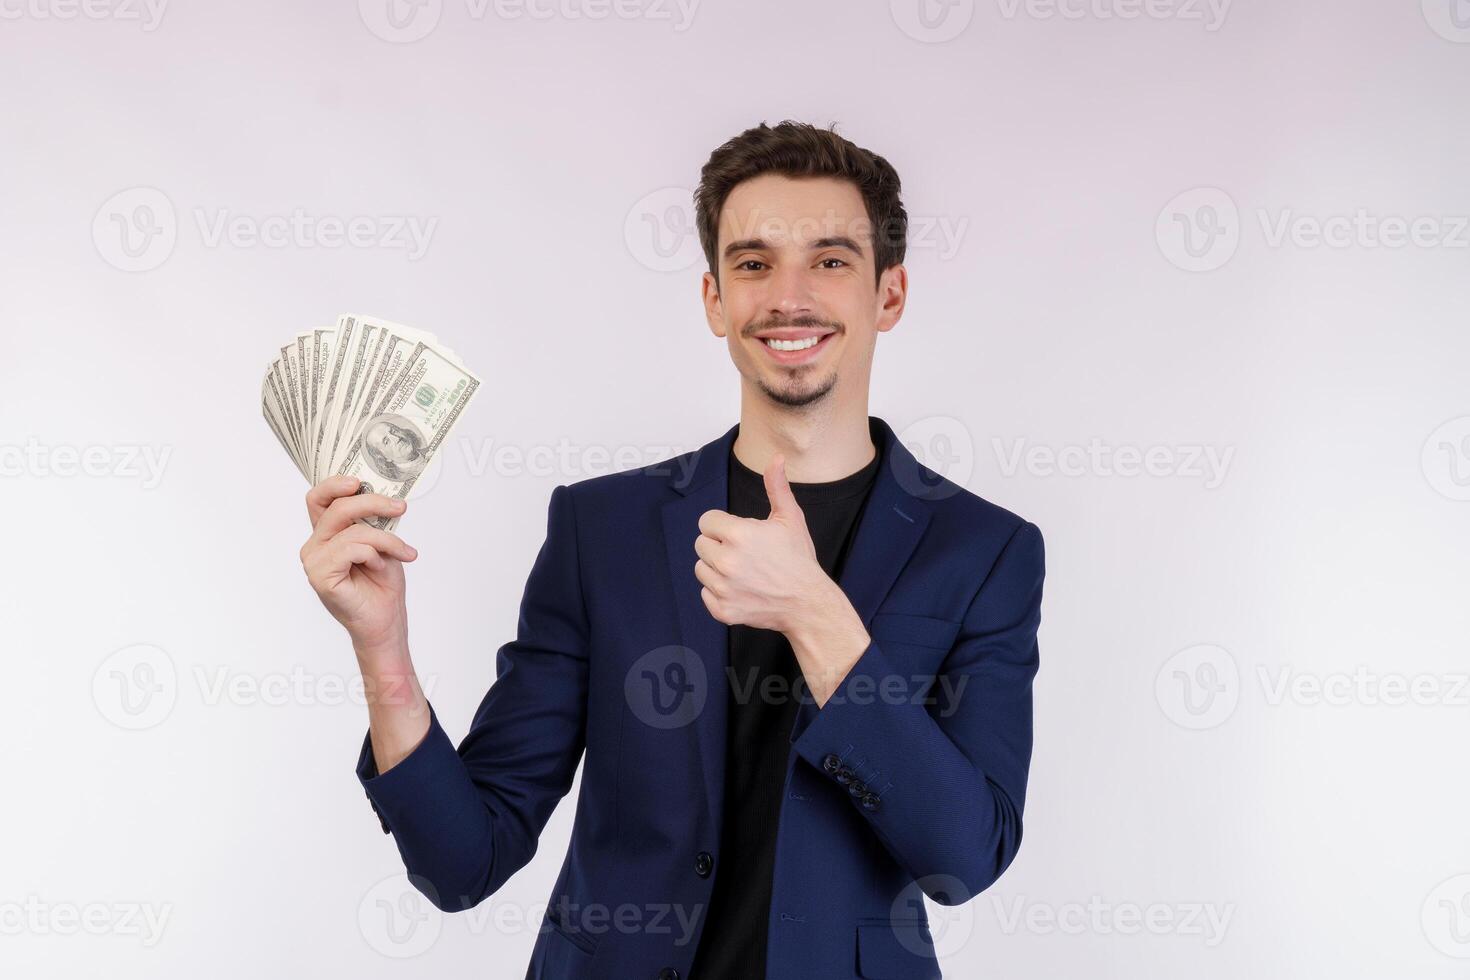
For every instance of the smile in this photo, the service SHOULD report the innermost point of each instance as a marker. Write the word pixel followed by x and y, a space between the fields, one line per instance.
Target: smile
pixel 803 344
pixel 792 347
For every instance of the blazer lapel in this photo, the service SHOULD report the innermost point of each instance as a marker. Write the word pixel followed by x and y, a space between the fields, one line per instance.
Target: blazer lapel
pixel 889 530
pixel 705 488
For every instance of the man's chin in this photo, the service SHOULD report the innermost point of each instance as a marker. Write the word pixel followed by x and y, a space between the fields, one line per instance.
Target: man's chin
pixel 799 395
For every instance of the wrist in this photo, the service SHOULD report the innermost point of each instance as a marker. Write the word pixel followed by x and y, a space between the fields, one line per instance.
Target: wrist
pixel 829 613
pixel 392 690
pixel 382 656
pixel 829 638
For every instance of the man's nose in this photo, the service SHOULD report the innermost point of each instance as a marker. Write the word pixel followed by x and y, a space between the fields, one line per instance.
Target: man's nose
pixel 791 293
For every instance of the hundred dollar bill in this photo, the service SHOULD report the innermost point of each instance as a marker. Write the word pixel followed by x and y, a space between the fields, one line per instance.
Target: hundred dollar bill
pixel 359 355
pixel 282 405
pixel 272 419
pixel 388 352
pixel 405 425
pixel 366 396
pixel 319 347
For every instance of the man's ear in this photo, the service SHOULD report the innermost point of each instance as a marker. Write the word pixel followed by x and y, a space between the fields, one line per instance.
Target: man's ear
pixel 893 291
pixel 714 310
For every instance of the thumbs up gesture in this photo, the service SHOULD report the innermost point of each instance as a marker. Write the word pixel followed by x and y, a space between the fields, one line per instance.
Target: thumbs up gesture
pixel 765 574
pixel 759 573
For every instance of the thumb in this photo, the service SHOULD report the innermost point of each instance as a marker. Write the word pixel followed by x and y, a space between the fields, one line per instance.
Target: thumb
pixel 778 490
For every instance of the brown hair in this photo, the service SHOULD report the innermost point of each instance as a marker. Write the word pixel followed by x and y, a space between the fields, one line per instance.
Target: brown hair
pixel 795 149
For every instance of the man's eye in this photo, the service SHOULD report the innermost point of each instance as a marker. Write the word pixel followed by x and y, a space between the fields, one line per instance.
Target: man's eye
pixel 838 261
pixel 749 262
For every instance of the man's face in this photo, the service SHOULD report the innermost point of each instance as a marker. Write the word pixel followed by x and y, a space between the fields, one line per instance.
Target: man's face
pixel 796 298
pixel 389 442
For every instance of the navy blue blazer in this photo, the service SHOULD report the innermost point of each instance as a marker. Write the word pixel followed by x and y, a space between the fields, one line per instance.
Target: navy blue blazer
pixel 909 781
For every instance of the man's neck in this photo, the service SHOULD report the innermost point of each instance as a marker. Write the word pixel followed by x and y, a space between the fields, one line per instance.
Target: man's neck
pixel 819 446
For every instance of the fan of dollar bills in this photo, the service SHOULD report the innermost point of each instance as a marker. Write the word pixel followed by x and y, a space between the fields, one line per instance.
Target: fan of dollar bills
pixel 369 398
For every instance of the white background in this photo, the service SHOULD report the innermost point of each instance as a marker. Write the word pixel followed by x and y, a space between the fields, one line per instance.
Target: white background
pixel 1323 833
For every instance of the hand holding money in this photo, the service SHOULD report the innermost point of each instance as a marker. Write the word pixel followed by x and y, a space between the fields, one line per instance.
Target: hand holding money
pixel 355 569
pixel 361 409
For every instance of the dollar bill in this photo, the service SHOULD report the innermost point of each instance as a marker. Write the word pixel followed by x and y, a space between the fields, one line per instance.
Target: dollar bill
pixel 408 423
pixel 366 397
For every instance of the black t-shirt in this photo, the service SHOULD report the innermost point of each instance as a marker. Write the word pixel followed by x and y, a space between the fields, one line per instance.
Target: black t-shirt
pixel 758 738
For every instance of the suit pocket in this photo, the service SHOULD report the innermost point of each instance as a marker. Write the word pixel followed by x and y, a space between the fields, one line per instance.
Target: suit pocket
pixel 896 949
pixel 565 934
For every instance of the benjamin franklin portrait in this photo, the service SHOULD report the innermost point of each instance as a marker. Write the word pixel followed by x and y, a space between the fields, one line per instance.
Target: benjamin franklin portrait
pixel 394 447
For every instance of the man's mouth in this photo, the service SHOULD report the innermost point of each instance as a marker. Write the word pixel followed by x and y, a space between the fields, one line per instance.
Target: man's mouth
pixel 777 344
pixel 789 345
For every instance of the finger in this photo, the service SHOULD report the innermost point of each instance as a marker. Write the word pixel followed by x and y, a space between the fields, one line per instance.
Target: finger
pixel 708 577
pixel 718 524
pixel 341 554
pixel 361 553
pixel 778 489
pixel 367 556
pixel 709 549
pixel 320 497
pixel 344 511
pixel 385 542
pixel 327 568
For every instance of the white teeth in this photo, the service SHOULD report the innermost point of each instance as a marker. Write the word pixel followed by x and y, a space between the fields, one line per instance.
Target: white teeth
pixel 792 344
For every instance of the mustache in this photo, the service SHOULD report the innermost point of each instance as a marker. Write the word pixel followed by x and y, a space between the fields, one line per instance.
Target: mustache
pixel 800 321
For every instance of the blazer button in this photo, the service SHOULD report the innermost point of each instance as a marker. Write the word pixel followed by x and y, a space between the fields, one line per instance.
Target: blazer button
pixel 870 801
pixel 703 863
pixel 843 775
pixel 857 787
pixel 830 762
pixel 668 973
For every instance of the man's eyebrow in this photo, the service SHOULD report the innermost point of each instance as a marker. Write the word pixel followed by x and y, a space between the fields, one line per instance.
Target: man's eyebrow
pixel 760 244
pixel 746 244
pixel 838 241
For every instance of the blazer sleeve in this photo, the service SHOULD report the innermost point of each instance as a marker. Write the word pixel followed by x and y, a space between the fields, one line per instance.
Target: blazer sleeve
pixel 467 819
pixel 942 784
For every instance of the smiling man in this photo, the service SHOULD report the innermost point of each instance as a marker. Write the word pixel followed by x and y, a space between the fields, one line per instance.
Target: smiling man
pixel 798 662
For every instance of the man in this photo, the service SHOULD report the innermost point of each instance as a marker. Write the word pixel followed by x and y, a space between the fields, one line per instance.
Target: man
pixel 394 448
pixel 799 662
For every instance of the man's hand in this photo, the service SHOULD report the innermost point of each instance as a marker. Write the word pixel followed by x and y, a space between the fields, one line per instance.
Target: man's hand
pixel 765 574
pixel 357 570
